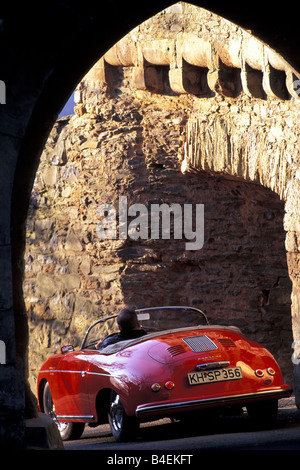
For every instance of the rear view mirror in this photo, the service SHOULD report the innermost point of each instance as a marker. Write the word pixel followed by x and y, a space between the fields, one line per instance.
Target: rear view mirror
pixel 66 349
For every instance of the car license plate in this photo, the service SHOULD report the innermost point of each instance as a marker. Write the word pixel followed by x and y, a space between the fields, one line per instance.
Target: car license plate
pixel 218 375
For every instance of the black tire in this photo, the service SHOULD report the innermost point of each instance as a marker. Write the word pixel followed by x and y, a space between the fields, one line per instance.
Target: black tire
pixel 123 427
pixel 263 414
pixel 68 431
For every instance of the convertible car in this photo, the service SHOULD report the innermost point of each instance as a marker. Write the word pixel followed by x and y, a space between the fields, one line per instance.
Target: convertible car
pixel 181 367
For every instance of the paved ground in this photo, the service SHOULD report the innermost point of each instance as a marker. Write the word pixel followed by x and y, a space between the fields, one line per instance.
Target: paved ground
pixel 229 433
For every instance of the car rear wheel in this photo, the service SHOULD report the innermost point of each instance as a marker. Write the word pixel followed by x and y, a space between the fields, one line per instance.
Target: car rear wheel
pixel 263 414
pixel 68 431
pixel 123 427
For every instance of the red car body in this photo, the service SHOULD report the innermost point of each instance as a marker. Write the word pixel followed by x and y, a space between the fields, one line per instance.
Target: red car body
pixel 169 372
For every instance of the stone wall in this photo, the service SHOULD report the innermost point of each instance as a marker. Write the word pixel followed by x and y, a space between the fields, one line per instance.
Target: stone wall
pixel 239 277
pixel 125 141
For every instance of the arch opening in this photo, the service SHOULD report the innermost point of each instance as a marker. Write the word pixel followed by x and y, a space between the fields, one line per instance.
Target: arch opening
pixel 36 90
pixel 141 143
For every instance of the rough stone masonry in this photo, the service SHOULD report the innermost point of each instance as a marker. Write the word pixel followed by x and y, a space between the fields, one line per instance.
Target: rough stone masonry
pixel 189 109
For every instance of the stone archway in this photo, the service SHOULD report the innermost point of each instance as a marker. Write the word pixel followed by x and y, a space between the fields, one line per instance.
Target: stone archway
pixel 208 110
pixel 38 78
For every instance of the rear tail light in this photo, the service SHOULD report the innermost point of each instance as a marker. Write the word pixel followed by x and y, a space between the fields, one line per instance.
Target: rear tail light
pixel 259 373
pixel 169 385
pixel 155 387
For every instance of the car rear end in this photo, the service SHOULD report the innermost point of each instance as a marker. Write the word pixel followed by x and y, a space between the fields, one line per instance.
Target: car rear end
pixel 209 367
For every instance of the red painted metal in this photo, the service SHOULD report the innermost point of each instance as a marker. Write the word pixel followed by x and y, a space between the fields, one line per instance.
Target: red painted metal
pixel 77 377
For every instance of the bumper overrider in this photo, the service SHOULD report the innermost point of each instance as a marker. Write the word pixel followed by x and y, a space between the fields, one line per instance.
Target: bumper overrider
pixel 190 405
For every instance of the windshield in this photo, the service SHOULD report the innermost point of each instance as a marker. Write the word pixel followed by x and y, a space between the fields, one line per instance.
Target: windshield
pixel 167 318
pixel 150 319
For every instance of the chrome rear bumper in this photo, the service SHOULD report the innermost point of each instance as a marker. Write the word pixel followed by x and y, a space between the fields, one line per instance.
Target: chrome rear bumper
pixel 181 406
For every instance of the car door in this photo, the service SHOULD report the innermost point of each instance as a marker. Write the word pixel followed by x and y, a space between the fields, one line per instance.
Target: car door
pixel 69 387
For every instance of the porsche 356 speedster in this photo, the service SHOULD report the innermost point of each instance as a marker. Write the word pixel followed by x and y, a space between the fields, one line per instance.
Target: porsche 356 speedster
pixel 180 367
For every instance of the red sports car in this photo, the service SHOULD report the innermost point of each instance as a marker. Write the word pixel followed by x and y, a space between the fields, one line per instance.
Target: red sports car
pixel 180 367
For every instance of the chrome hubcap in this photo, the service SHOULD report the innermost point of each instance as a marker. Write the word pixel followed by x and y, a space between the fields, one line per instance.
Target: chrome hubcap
pixel 116 413
pixel 50 408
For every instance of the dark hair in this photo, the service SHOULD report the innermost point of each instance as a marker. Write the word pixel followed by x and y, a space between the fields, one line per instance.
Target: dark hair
pixel 127 319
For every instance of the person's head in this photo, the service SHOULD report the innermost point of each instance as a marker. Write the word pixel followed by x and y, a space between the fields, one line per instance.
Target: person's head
pixel 127 320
